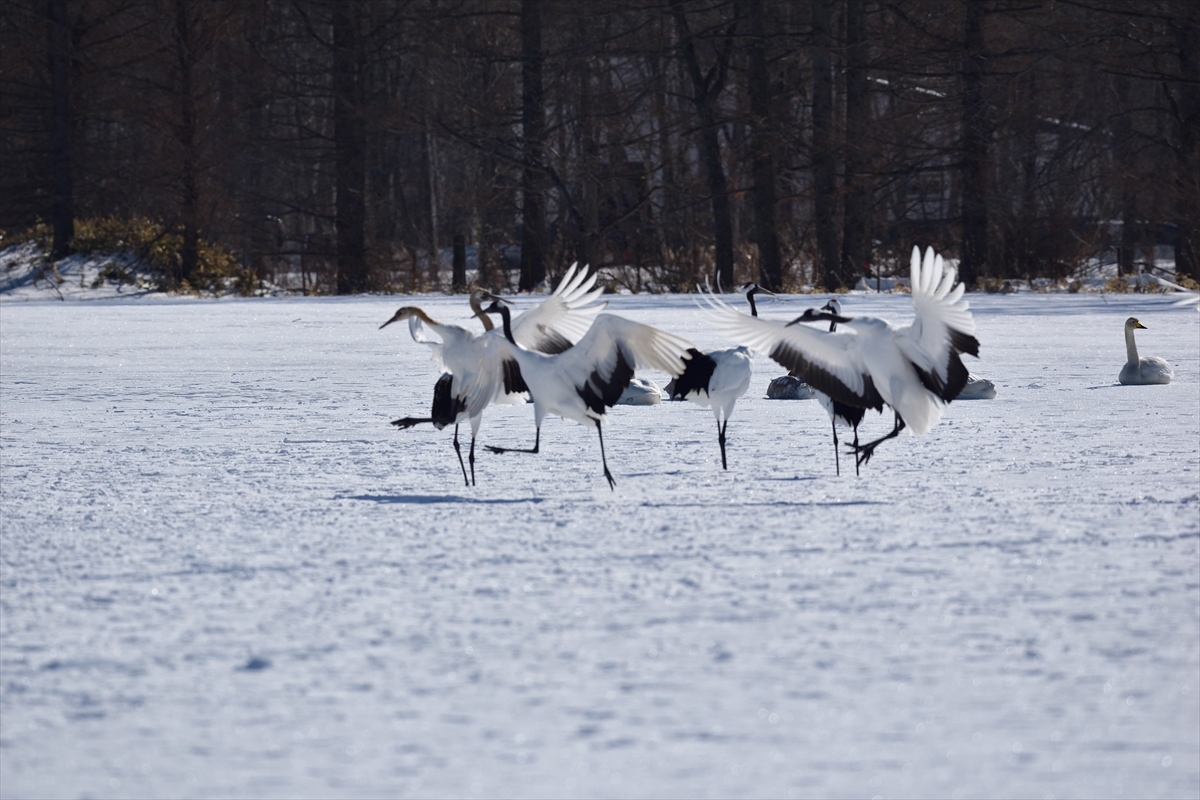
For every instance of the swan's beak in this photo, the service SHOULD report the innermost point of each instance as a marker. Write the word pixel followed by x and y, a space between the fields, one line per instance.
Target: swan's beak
pixel 1139 325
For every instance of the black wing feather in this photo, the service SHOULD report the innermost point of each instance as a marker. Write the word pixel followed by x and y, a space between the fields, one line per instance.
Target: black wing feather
pixel 824 381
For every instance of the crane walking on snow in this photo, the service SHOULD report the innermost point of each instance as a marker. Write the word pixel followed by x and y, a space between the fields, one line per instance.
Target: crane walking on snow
pixel 580 383
pixel 915 369
pixel 550 327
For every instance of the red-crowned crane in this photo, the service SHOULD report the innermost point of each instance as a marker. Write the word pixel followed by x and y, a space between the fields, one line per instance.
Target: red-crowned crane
pixel 915 369
pixel 550 327
pixel 580 383
pixel 843 413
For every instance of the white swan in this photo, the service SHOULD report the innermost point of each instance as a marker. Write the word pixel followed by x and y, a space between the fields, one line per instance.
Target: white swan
pixel 1142 371
pixel 640 392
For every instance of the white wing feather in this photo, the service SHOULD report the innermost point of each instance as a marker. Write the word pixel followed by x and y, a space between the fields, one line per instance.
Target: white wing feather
pixel 831 352
pixel 568 312
pixel 942 316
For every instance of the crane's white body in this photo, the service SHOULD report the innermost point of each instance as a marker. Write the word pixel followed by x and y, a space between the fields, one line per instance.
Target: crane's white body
pixel 1147 371
pixel 553 325
pixel 868 361
pixel 580 383
pixel 722 376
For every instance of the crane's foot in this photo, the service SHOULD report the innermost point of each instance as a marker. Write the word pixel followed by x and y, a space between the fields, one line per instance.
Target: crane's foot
pixel 494 449
pixel 612 484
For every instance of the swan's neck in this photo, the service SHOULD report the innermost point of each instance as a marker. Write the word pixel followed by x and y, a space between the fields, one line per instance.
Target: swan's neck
pixel 1130 346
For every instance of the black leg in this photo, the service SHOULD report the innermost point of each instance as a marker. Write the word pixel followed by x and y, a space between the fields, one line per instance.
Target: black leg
pixel 537 439
pixel 471 458
pixel 721 440
pixel 409 422
pixel 837 460
pixel 458 450
pixel 611 483
pixel 867 450
pixel 856 448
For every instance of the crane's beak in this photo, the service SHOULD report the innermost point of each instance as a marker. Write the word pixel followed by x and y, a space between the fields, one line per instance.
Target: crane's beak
pixel 395 317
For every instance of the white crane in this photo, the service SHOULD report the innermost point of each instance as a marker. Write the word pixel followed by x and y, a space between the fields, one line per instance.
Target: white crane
pixel 580 383
pixel 849 416
pixel 550 327
pixel 1142 371
pixel 715 379
pixel 915 369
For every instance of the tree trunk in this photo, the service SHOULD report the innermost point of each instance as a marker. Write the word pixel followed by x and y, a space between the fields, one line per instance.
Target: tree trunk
pixel 1187 175
pixel 823 165
pixel 976 138
pixel 458 273
pixel 349 138
pixel 770 267
pixel 62 211
pixel 189 253
pixel 705 91
pixel 856 216
pixel 533 133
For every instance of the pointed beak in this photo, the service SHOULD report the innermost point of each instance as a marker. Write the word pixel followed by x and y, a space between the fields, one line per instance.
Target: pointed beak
pixel 395 317
pixel 1140 325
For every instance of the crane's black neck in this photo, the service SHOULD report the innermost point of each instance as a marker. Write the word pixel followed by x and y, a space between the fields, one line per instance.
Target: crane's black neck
pixel 750 299
pixel 504 315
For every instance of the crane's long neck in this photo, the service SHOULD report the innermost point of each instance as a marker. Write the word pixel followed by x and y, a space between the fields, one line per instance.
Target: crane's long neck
pixel 750 300
pixel 1130 345
pixel 832 325
pixel 478 309
pixel 508 334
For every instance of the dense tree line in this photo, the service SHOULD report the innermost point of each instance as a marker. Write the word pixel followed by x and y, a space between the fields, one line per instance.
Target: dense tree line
pixel 353 143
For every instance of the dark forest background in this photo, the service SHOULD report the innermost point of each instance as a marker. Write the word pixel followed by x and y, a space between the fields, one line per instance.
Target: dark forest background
pixel 360 145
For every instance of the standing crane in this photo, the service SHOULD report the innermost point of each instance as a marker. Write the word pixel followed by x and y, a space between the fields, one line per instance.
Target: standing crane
pixel 915 369
pixel 848 415
pixel 580 383
pixel 549 327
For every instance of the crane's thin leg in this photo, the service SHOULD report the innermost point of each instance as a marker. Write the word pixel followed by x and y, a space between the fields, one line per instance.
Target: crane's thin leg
pixel 856 448
pixel 721 441
pixel 458 450
pixel 409 422
pixel 471 458
pixel 611 483
pixel 867 450
pixel 837 459
pixel 537 439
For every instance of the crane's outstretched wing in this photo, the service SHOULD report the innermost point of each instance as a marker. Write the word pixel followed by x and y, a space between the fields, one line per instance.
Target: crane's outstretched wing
pixel 564 317
pixel 598 367
pixel 829 361
pixel 943 328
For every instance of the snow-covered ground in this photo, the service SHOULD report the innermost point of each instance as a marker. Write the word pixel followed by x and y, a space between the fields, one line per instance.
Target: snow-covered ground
pixel 225 575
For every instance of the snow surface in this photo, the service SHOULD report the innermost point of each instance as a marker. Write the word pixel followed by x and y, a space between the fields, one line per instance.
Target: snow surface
pixel 225 575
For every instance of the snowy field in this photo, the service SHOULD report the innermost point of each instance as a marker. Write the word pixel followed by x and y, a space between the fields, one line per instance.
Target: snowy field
pixel 225 575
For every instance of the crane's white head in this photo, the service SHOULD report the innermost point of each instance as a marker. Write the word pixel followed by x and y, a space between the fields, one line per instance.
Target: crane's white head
pixel 833 306
pixel 751 288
